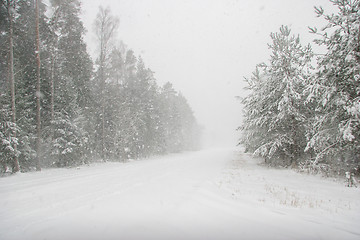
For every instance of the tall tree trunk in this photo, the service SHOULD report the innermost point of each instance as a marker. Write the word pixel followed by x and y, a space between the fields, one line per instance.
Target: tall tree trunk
pixel 54 48
pixel 102 79
pixel 38 91
pixel 52 92
pixel 16 166
pixel 105 27
pixel 294 146
pixel 103 130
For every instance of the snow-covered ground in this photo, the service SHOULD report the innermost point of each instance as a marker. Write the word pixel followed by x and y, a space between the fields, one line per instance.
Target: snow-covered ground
pixel 214 194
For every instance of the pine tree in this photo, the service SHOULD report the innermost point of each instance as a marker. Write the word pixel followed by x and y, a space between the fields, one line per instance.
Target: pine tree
pixel 8 141
pixel 38 91
pixel 25 68
pixel 71 68
pixel 275 113
pixel 57 100
pixel 171 118
pixel 10 7
pixel 3 47
pixel 105 28
pixel 69 139
pixel 130 120
pixel 148 112
pixel 336 88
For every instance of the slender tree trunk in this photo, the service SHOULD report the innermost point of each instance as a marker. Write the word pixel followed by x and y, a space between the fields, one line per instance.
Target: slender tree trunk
pixel 16 166
pixel 103 132
pixel 38 91
pixel 52 88
pixel 358 47
pixel 102 79
pixel 294 147
pixel 102 86
pixel 53 62
pixel 106 26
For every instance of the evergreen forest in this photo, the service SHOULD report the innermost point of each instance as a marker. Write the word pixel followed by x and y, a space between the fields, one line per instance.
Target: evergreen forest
pixel 303 107
pixel 59 108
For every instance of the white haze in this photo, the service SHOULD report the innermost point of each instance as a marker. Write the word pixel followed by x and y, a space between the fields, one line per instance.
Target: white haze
pixel 205 47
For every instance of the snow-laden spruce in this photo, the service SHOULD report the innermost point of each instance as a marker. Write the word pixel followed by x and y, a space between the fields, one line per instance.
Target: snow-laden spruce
pixel 301 114
pixel 275 114
pixel 335 91
pixel 113 109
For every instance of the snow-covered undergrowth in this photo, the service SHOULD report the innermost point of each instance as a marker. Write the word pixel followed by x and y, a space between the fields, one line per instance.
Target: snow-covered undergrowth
pixel 249 178
pixel 310 197
pixel 213 194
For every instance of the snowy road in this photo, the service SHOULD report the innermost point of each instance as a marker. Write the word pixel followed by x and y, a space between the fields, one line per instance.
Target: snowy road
pixel 216 194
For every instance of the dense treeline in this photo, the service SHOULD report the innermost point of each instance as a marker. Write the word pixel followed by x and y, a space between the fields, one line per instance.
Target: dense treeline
pixel 112 109
pixel 304 108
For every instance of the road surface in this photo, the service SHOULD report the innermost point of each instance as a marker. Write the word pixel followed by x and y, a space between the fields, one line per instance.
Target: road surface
pixel 213 194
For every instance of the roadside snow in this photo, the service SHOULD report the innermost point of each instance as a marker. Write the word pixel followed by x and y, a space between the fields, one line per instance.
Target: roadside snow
pixel 311 207
pixel 215 194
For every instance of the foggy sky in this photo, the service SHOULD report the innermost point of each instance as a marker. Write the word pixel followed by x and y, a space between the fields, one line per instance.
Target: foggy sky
pixel 206 47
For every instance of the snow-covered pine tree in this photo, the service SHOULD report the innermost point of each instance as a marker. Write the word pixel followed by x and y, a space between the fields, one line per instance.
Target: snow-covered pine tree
pixel 170 118
pixel 69 139
pixel 8 142
pixel 126 127
pixel 147 110
pixel 155 135
pixel 275 113
pixel 70 68
pixel 3 48
pixel 9 5
pixel 253 126
pixel 114 100
pixel 24 74
pixel 105 26
pixel 38 94
pixel 336 88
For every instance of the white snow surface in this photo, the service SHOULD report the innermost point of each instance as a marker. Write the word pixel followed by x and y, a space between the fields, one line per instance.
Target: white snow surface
pixel 213 194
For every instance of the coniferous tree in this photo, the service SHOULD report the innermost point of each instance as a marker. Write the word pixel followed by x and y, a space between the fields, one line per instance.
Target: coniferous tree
pixel 71 70
pixel 4 28
pixel 38 89
pixel 105 28
pixel 26 73
pixel 10 7
pixel 336 89
pixel 130 123
pixel 7 139
pixel 114 99
pixel 151 134
pixel 6 142
pixel 275 112
pixel 126 116
pixel 172 119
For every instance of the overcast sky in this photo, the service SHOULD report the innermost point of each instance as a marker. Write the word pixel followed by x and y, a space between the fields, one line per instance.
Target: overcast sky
pixel 205 47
